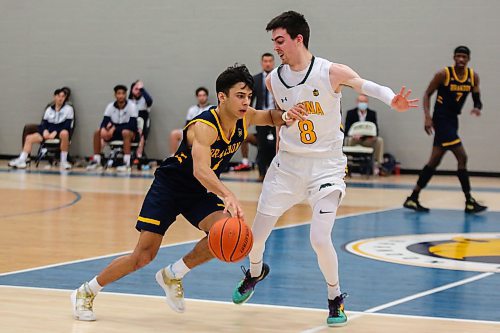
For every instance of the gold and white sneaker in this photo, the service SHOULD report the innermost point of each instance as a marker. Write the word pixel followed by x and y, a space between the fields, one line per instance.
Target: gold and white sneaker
pixel 82 300
pixel 174 291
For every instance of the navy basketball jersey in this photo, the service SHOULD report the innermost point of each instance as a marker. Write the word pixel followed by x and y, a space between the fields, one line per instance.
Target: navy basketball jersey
pixel 222 150
pixel 453 92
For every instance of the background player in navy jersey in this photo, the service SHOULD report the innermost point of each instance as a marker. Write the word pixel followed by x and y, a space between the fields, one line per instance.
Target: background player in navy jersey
pixel 453 85
pixel 188 183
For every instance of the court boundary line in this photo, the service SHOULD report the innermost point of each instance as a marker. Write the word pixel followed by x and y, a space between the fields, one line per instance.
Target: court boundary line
pixel 362 185
pixel 409 298
pixel 354 314
pixel 174 244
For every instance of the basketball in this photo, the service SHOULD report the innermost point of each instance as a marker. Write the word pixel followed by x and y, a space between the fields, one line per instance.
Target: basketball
pixel 230 239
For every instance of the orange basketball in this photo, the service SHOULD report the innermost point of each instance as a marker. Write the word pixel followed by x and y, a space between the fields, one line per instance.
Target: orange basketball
pixel 230 239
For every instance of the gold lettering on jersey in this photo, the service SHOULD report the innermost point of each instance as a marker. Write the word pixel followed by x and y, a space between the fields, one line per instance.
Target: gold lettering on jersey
pixel 180 157
pixel 460 87
pixel 217 153
pixel 313 108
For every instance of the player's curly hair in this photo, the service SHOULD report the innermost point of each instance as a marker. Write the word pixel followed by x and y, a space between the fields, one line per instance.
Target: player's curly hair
pixel 231 76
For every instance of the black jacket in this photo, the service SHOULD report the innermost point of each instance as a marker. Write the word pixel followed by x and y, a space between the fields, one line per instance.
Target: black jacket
pixel 353 117
pixel 258 91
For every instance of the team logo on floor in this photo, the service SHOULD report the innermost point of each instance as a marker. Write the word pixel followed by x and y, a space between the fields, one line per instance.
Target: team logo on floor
pixel 468 252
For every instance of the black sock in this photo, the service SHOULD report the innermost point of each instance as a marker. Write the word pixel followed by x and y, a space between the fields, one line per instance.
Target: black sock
pixel 414 195
pixel 463 176
pixel 425 175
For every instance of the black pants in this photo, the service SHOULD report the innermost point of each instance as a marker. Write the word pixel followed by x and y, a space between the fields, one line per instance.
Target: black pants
pixel 266 147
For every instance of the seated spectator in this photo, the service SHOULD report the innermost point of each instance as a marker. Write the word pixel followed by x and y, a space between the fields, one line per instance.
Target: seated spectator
pixel 176 135
pixel 363 113
pixel 56 123
pixel 119 123
pixel 33 128
pixel 143 101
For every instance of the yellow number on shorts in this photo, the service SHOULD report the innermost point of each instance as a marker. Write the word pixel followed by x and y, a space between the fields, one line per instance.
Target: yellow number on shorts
pixel 459 95
pixel 307 134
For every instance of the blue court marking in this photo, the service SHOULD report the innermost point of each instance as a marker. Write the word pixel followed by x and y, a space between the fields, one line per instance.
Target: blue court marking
pixel 295 279
pixel 77 198
pixel 247 180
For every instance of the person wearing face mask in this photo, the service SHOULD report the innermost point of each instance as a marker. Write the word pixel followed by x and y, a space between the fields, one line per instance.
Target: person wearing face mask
pixel 363 113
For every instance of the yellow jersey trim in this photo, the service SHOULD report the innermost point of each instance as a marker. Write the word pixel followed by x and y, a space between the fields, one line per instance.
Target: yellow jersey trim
pixel 147 220
pixel 202 121
pixel 466 75
pixel 447 80
pixel 221 205
pixel 451 143
pixel 471 76
pixel 222 134
pixel 245 127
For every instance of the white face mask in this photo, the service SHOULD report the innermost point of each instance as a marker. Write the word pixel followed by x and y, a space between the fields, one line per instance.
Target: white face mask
pixel 362 106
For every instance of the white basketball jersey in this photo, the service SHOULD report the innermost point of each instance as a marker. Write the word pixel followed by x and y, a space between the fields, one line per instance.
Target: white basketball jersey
pixel 321 133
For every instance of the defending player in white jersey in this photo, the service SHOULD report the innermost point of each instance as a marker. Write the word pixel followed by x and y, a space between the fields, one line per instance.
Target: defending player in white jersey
pixel 310 163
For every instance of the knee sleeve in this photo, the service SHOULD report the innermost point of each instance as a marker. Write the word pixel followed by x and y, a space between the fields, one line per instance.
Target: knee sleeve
pixel 324 213
pixel 261 229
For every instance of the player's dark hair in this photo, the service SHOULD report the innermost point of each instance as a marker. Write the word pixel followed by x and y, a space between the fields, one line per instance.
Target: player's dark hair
pixel 120 87
pixel 231 76
pixel 201 89
pixel 58 91
pixel 462 49
pixel 294 23
pixel 67 91
pixel 267 54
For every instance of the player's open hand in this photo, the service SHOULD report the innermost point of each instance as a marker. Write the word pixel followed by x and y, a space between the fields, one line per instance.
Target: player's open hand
pixel 232 205
pixel 297 112
pixel 401 103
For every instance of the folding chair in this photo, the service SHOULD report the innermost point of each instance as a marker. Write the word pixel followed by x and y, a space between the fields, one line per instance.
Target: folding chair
pixel 359 157
pixel 50 149
pixel 116 147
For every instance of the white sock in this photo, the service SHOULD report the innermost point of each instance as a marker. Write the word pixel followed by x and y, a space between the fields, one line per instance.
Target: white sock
pixel 23 156
pixel 177 270
pixel 64 156
pixel 97 158
pixel 126 159
pixel 333 291
pixel 94 286
pixel 244 161
pixel 261 229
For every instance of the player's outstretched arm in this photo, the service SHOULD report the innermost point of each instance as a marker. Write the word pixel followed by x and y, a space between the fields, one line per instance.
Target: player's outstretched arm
pixel 202 137
pixel 264 117
pixel 276 117
pixel 342 75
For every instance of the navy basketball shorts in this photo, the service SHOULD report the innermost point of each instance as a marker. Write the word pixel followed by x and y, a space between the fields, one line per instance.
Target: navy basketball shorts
pixel 446 132
pixel 117 134
pixel 167 198
pixel 53 128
